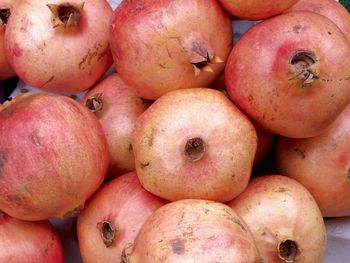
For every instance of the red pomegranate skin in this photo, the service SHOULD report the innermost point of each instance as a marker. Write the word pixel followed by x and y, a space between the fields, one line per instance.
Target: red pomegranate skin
pixel 331 9
pixel 53 156
pixel 322 165
pixel 154 42
pixel 256 9
pixel 193 231
pixel 296 75
pixel 5 69
pixel 194 143
pixel 61 60
pixel 276 209
pixel 120 109
pixel 126 206
pixel 30 242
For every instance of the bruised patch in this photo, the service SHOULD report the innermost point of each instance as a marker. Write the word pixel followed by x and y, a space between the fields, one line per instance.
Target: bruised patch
pixel 14 199
pixel 34 138
pixel 3 158
pixel 16 50
pixel 178 246
pixel 297 28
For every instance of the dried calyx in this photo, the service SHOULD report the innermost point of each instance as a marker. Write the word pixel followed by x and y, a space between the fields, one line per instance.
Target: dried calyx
pixel 195 149
pixel 95 103
pixel 66 14
pixel 204 64
pixel 107 232
pixel 126 253
pixel 305 63
pixel 4 15
pixel 288 250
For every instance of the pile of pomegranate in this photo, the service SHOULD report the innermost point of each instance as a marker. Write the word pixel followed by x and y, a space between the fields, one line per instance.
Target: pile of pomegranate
pixel 197 149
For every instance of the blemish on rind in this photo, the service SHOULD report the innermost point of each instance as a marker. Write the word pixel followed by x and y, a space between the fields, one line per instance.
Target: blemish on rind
pixel 91 54
pixel 234 220
pixel 48 81
pixel 34 138
pixel 178 246
pixel 151 138
pixel 301 153
pixel 297 29
pixel 144 165
pixel 3 158
pixel 281 190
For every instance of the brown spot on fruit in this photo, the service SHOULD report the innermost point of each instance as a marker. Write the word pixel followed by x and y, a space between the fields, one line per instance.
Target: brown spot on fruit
pixel 301 153
pixel 178 246
pixel 281 190
pixel 92 53
pixel 297 29
pixel 151 138
pixel 144 165
pixel 107 232
pixel 3 158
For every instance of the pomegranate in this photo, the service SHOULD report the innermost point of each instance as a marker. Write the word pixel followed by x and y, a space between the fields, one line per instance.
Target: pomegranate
pixel 194 143
pixel 5 12
pixel 29 242
pixel 322 165
pixel 53 156
pixel 62 46
pixel 281 89
pixel 284 219
pixel 256 9
pixel 328 8
pixel 117 107
pixel 113 217
pixel 154 42
pixel 193 231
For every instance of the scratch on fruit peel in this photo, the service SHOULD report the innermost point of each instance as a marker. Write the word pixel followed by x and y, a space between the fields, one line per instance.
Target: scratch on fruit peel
pixel 48 81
